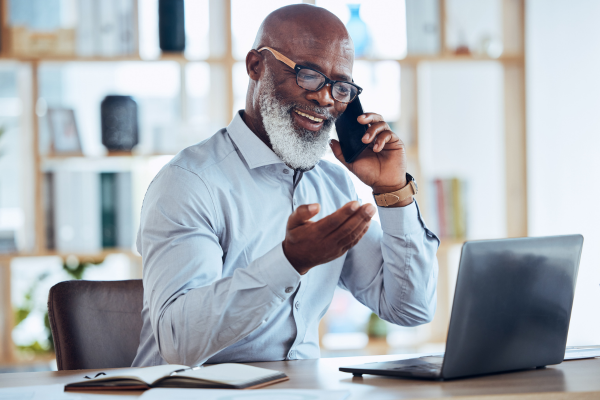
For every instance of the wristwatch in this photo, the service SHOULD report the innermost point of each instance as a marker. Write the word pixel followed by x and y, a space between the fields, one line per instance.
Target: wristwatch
pixel 388 199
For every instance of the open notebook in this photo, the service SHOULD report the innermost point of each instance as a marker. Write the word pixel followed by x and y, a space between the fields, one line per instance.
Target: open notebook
pixel 222 376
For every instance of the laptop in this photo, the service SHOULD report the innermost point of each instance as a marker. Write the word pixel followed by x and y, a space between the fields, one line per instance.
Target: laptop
pixel 511 311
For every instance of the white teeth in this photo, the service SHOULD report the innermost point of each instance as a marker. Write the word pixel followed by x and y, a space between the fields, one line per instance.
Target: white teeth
pixel 309 116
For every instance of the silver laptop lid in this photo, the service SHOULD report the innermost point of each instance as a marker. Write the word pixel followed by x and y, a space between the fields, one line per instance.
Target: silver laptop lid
pixel 512 304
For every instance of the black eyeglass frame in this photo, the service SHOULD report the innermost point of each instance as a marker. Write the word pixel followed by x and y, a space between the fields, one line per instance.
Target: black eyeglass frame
pixel 298 67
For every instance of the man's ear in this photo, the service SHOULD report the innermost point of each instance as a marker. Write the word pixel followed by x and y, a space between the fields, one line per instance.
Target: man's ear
pixel 254 64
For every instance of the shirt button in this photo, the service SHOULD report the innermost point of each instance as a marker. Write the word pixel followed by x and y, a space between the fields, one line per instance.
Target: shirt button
pixel 286 171
pixel 289 289
pixel 291 355
pixel 297 305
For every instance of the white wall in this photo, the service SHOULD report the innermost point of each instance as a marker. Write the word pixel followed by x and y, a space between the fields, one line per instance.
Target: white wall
pixel 461 120
pixel 563 121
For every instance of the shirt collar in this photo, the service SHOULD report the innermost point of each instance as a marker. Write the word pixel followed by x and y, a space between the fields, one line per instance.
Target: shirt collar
pixel 255 151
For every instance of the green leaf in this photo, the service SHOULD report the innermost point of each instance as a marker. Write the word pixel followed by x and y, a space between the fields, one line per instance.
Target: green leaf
pixel 21 314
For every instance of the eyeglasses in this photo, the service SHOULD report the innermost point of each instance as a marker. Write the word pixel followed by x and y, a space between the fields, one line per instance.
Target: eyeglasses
pixel 313 80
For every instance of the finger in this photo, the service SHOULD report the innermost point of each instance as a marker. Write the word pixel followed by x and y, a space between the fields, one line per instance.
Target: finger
pixel 382 139
pixel 302 214
pixel 374 130
pixel 361 235
pixel 354 225
pixel 357 238
pixel 337 152
pixel 369 118
pixel 333 221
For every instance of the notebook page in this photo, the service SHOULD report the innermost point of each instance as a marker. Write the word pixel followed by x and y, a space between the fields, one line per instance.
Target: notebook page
pixel 232 374
pixel 146 374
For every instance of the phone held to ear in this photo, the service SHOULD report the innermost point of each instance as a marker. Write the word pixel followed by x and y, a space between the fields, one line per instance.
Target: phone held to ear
pixel 350 132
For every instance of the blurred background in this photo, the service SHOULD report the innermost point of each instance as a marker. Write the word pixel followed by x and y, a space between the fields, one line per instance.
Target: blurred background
pixel 496 100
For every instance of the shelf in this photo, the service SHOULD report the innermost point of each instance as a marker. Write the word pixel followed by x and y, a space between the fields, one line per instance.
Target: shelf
pixel 51 58
pixel 109 155
pixel 181 59
pixel 516 58
pixel 109 163
pixel 84 257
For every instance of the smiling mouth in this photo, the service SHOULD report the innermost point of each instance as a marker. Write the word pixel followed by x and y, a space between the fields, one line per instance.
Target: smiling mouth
pixel 315 119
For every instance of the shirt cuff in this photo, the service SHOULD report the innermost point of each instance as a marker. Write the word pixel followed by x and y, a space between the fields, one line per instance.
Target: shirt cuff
pixel 400 221
pixel 278 273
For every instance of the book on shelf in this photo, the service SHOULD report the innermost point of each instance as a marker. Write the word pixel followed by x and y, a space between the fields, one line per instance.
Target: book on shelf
pixel 76 198
pixel 109 210
pixel 116 204
pixel 223 376
pixel 107 34
pixel 423 27
pixel 448 216
pixel 8 242
pixel 124 210
pixel 106 28
pixel 85 28
pixel 87 211
pixel 48 195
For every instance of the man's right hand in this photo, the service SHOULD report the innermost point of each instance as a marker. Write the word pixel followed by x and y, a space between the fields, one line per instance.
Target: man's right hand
pixel 308 244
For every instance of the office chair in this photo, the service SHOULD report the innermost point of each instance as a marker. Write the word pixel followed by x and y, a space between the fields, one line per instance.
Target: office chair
pixel 95 324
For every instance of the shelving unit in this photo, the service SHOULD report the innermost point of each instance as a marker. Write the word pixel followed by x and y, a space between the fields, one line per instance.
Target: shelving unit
pixel 513 65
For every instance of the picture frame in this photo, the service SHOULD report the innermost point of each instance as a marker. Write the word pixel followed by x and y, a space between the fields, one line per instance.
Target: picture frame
pixel 63 131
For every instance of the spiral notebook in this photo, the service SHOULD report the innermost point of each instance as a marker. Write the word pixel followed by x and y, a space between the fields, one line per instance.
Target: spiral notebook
pixel 220 376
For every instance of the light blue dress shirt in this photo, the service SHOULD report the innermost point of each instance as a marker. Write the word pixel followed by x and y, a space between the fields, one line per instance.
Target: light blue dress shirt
pixel 217 285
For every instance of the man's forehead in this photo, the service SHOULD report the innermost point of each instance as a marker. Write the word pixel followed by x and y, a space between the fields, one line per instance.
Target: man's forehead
pixel 337 54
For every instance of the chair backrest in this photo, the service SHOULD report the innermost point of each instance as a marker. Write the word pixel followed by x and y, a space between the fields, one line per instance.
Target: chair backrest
pixel 95 324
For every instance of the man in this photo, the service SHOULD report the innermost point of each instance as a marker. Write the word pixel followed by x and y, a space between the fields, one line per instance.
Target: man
pixel 225 278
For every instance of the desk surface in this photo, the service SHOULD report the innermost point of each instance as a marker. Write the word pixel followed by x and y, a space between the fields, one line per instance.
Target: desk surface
pixel 570 380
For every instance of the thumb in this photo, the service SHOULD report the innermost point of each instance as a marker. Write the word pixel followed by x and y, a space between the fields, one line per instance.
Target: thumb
pixel 302 215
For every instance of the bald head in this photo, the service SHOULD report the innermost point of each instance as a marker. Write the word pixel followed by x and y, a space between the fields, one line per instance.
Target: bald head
pixel 303 26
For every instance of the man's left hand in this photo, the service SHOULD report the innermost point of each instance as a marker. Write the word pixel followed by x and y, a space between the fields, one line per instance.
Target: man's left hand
pixel 383 164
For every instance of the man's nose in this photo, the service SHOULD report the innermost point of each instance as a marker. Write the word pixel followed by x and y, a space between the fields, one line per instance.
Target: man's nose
pixel 321 97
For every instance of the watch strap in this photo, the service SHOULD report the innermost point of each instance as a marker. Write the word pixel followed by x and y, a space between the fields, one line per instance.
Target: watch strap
pixel 388 199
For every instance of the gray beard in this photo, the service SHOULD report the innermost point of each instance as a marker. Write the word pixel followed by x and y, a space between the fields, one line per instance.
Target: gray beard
pixel 297 147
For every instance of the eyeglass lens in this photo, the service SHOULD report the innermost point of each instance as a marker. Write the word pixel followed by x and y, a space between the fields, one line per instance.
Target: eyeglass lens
pixel 313 81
